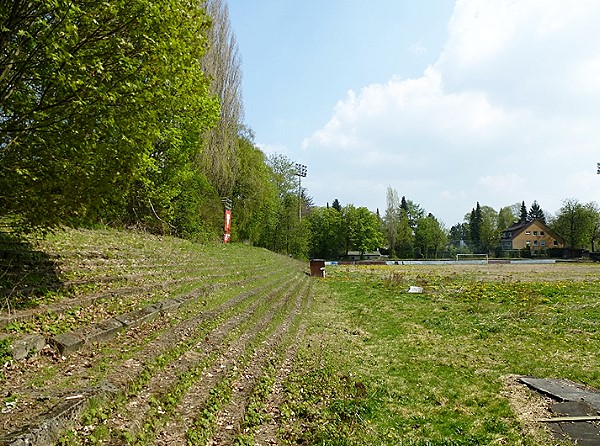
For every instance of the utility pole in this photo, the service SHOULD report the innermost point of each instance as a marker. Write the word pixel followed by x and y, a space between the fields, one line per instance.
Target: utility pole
pixel 301 173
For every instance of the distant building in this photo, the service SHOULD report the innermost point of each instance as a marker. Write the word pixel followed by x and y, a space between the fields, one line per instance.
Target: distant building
pixel 355 255
pixel 534 235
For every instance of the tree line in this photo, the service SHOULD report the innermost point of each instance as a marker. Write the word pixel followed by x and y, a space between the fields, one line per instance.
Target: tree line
pixel 125 113
pixel 577 223
pixel 131 114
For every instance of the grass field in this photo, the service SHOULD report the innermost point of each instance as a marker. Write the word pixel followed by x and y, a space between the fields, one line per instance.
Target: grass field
pixel 258 353
pixel 438 368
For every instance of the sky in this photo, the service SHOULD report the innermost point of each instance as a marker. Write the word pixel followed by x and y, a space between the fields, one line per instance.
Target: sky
pixel 448 102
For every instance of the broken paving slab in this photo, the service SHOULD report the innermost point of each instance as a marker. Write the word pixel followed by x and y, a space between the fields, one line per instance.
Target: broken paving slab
pixel 138 316
pixel 576 402
pixel 103 331
pixel 67 342
pixel 564 390
pixel 582 433
pixel 573 409
pixel 46 429
pixel 26 345
pixel 169 305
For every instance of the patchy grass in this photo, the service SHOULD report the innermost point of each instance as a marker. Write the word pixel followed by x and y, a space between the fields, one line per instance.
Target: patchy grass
pixel 355 360
pixel 382 366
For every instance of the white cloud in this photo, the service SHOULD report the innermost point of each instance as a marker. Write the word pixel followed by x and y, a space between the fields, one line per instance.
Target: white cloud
pixel 418 49
pixel 404 109
pixel 585 76
pixel 507 183
pixel 508 113
pixel 522 53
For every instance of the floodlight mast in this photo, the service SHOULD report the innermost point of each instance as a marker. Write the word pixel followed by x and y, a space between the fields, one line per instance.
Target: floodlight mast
pixel 301 173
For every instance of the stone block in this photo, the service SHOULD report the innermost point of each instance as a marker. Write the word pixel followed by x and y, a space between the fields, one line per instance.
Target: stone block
pixel 138 316
pixel 26 345
pixel 103 330
pixel 67 342
pixel 169 305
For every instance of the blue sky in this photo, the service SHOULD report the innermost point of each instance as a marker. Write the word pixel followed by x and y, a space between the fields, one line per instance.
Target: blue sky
pixel 448 102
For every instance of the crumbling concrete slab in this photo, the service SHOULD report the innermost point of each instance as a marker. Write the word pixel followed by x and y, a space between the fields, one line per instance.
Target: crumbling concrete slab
pixel 26 345
pixel 67 342
pixel 169 305
pixel 138 316
pixel 103 331
pixel 574 401
pixel 564 390
pixel 45 430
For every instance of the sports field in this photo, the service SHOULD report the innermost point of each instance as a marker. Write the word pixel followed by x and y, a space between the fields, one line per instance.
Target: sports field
pixel 440 367
pixel 236 345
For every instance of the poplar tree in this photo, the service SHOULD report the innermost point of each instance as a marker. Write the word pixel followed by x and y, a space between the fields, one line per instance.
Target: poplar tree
pixel 222 62
pixel 392 218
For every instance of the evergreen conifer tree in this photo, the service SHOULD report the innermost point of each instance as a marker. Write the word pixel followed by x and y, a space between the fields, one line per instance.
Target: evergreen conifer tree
pixel 475 228
pixel 336 205
pixel 523 217
pixel 536 213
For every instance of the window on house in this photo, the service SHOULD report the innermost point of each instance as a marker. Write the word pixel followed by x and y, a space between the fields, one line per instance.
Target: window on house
pixel 527 242
pixel 555 243
pixel 535 243
pixel 527 232
pixel 534 232
pixel 543 243
pixel 542 233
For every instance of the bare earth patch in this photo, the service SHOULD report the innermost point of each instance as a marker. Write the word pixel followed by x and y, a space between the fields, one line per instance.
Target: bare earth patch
pixel 529 406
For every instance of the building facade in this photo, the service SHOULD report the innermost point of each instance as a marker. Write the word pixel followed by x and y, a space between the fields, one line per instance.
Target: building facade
pixel 534 235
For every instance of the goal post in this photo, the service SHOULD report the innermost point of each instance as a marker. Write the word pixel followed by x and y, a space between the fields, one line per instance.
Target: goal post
pixel 472 258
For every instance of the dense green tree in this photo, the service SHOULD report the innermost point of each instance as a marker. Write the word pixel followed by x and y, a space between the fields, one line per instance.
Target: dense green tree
pixel 336 205
pixel 506 218
pixel 254 195
pixel 459 233
pixel 92 94
pixel 489 230
pixel 404 204
pixel 361 229
pixel 405 238
pixel 326 233
pixel 475 222
pixel 413 210
pixel 536 213
pixel 576 223
pixel 595 231
pixel 430 237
